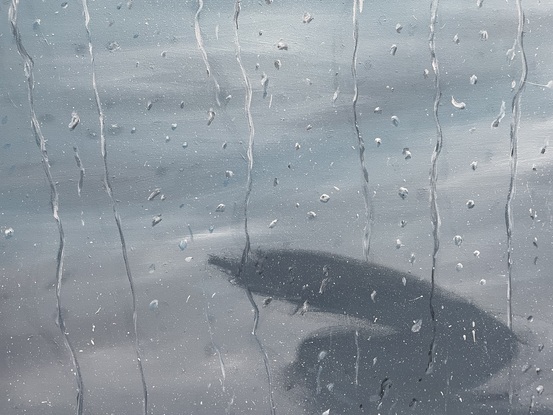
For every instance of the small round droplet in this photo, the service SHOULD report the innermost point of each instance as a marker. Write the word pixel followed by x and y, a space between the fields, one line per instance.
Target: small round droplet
pixel 297 146
pixel 378 141
pixel 398 28
pixel 211 228
pixel 154 305
pixel 324 198
pixel 476 253
pixel 393 50
pixel 281 45
pixel 395 120
pixel 398 243
pixel 406 153
pixel 459 267
pixel 174 126
pixel 278 64
pixel 133 130
pixel 220 207
pixel 183 244
pixel 539 389
pixel 378 110
pixel 470 203
pixel 474 165
pixel 458 239
pixel 322 355
pixel 8 233
pixel 185 144
pixel 415 328
pixel 273 224
pixel 403 192
pixel 473 79
pixel 456 39
pixel 403 223
pixel 229 174
pixel 482 281
pixel 412 258
pixel 311 215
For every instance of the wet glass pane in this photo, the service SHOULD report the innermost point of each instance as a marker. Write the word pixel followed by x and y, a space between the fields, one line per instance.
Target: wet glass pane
pixel 275 207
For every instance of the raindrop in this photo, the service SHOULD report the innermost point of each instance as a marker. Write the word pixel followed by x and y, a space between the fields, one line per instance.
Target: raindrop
pixel 403 223
pixel 297 146
pixel 327 412
pixel 64 5
pixel 483 35
pixel 412 258
pixel 535 242
pixel 156 219
pixel 278 64
pixel 154 193
pixel 530 318
pixel 482 281
pixel 479 3
pixel 188 259
pixel 281 45
pixel 473 79
pixel 456 39
pixel 151 268
pixel 273 224
pixel 324 198
pixel 182 104
pixel 474 165
pixel 458 239
pixel 275 182
pixel 398 243
pixel 322 355
pixel 154 305
pixel 393 50
pixel 457 104
pixel 224 145
pixel 220 208
pixel 404 281
pixel 164 54
pixel 426 72
pixel 395 120
pixel 210 116
pixel 149 105
pixel 406 153
pixel 307 18
pixel 470 204
pixel 211 228
pixel 459 267
pixel 403 192
pixel 539 389
pixel 8 233
pixel 174 126
pixel 133 130
pixel 311 215
pixel 183 244
pixel 309 127
pixel 185 144
pixel 75 120
pixel 378 141
pixel 399 27
pixel 415 328
pixel 267 301
pixel 542 151
pixel 229 174
pixel 476 253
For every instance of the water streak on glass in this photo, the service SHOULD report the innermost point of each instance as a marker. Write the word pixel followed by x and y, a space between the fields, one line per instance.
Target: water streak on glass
pixel 249 184
pixel 54 197
pixel 109 190
pixel 434 212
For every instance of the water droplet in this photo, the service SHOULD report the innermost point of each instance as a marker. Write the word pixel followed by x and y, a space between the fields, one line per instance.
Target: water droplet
pixel 154 305
pixel 539 389
pixel 307 18
pixel 220 208
pixel 473 79
pixel 459 267
pixel 149 105
pixel 229 174
pixel 403 223
pixel 482 281
pixel 174 126
pixel 404 281
pixel 483 35
pixel 154 193
pixel 75 120
pixel 415 328
pixel 395 120
pixel 393 50
pixel 458 239
pixel 470 204
pixel 474 165
pixel 210 116
pixel 456 39
pixel 406 153
pixel 278 64
pixel 378 141
pixel 183 244
pixel 164 54
pixel 273 224
pixel 8 233
pixel 479 3
pixel 311 215
pixel 151 268
pixel 297 146
pixel 412 258
pixel 322 355
pixel 281 45
pixel 398 28
pixel 211 228
pixel 133 130
pixel 324 198
pixel 457 104
pixel 188 259
pixel 156 219
pixel 398 243
pixel 476 253
pixel 403 192
pixel 267 301
pixel 185 144
pixel 425 73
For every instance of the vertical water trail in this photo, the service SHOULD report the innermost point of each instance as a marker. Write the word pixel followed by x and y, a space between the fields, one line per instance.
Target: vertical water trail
pixel 249 159
pixel 81 170
pixel 434 213
pixel 213 344
pixel 54 196
pixel 515 123
pixel 360 141
pixel 109 191
pixel 200 42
